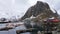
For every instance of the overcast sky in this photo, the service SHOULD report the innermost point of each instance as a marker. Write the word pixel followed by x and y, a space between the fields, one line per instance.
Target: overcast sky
pixel 11 8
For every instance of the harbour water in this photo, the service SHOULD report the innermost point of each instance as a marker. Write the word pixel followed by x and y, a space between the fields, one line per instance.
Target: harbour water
pixel 13 31
pixel 22 27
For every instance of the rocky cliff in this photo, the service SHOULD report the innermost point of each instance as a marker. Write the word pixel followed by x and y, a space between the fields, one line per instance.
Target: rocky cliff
pixel 38 9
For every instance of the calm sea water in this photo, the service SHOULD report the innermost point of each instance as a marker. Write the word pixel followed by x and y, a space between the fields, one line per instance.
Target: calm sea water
pixel 13 31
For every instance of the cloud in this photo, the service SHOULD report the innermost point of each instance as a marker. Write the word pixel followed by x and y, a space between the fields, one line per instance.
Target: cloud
pixel 59 12
pixel 54 4
pixel 19 7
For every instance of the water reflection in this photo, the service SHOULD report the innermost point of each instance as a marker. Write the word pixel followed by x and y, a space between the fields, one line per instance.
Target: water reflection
pixel 13 31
